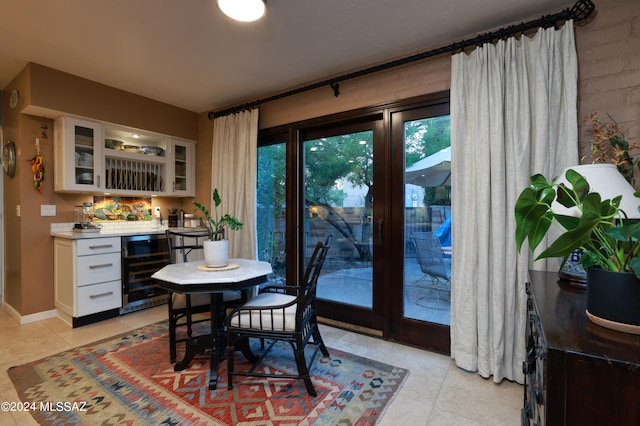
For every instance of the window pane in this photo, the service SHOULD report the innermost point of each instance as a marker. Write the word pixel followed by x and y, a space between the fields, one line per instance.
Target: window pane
pixel 339 201
pixel 271 208
pixel 427 286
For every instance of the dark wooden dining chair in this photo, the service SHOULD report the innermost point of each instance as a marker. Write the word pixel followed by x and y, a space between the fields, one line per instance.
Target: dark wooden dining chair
pixel 281 313
pixel 183 247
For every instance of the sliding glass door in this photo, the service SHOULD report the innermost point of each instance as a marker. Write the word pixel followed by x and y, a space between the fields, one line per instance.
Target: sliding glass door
pixel 380 184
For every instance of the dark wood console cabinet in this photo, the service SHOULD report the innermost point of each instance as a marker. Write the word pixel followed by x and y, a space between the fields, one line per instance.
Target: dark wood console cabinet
pixel 576 372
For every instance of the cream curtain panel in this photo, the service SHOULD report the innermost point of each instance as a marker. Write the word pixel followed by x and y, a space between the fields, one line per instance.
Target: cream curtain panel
pixel 234 173
pixel 513 114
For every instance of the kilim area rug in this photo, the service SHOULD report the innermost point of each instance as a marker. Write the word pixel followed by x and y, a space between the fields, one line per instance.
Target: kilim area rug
pixel 128 380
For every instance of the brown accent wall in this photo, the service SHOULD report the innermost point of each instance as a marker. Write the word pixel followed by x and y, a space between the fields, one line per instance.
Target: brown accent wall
pixel 60 91
pixel 44 94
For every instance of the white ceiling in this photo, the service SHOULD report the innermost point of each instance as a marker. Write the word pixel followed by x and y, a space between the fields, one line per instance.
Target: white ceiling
pixel 185 53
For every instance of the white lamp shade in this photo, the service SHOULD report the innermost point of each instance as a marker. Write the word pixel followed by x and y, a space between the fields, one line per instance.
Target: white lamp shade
pixel 243 10
pixel 606 180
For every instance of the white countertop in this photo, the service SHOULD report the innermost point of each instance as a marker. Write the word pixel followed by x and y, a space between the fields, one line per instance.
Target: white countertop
pixel 188 273
pixel 124 232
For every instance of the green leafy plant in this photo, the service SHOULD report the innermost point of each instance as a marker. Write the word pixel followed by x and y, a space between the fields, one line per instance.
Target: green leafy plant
pixel 216 225
pixel 602 231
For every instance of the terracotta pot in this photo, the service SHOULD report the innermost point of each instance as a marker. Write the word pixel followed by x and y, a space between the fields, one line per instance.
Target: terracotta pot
pixel 613 300
pixel 216 253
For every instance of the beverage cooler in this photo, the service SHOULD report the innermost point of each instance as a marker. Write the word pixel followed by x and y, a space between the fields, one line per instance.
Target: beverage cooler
pixel 142 256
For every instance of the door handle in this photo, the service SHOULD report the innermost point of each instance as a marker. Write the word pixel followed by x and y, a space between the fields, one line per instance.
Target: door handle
pixel 380 222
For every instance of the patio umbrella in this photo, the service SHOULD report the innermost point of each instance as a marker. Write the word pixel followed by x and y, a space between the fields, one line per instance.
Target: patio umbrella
pixel 434 170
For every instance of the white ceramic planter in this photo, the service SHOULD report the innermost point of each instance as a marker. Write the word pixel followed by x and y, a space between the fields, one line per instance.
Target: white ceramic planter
pixel 216 253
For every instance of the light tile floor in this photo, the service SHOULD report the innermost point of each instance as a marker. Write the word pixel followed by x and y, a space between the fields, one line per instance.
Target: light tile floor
pixel 436 393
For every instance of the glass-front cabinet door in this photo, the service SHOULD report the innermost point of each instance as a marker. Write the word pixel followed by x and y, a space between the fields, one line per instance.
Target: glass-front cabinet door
pixel 182 169
pixel 78 155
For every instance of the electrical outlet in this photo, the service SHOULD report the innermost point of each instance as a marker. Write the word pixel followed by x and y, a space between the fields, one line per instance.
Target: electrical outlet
pixel 47 210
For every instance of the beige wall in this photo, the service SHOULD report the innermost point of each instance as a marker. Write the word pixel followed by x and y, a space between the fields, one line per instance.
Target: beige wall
pixel 28 253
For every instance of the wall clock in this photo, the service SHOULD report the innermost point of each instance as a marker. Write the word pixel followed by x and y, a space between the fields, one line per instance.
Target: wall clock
pixel 9 159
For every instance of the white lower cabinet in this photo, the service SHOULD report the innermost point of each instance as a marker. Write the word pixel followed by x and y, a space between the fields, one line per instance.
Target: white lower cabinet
pixel 88 284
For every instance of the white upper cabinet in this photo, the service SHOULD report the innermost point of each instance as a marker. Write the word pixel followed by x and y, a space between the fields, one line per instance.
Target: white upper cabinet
pixel 78 158
pixel 125 161
pixel 182 168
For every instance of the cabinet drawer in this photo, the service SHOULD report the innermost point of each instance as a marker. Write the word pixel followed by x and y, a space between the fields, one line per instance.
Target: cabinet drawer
pixel 98 246
pixel 99 297
pixel 98 269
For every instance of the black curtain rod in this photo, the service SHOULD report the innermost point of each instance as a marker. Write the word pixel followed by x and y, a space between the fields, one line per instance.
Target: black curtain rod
pixel 579 12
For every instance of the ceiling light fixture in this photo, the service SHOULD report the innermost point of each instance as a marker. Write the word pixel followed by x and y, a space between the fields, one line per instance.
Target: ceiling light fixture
pixel 243 10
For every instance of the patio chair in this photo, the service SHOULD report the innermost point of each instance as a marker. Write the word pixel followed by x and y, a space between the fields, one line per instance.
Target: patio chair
pixel 185 246
pixel 425 234
pixel 431 259
pixel 281 313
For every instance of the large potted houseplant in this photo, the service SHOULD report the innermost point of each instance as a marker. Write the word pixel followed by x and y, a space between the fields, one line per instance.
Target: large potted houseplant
pixel 595 209
pixel 610 242
pixel 216 249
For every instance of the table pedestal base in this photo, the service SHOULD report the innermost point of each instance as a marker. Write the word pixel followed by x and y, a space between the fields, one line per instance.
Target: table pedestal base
pixel 214 345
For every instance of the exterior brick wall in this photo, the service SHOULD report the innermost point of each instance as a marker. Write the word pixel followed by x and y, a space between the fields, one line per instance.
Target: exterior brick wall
pixel 609 69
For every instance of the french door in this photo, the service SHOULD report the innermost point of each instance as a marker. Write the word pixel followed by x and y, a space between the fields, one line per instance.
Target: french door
pixel 420 302
pixel 361 181
pixel 342 196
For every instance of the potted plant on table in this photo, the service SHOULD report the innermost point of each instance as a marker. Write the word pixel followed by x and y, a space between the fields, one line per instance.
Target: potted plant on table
pixel 592 214
pixel 216 249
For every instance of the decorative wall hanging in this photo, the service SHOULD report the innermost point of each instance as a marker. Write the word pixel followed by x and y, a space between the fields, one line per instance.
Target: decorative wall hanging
pixel 37 167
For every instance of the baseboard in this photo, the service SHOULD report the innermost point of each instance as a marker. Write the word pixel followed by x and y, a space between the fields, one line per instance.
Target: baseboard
pixel 350 327
pixel 27 319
